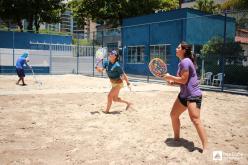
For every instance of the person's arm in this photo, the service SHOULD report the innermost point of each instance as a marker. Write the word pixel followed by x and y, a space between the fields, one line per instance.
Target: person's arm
pixel 172 83
pixel 183 79
pixel 99 69
pixel 26 63
pixel 125 77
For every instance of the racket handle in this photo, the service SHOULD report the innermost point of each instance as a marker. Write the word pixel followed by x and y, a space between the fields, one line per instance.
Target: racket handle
pixel 97 63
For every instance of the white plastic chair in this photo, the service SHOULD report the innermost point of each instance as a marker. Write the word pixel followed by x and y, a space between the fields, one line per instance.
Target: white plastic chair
pixel 217 79
pixel 208 78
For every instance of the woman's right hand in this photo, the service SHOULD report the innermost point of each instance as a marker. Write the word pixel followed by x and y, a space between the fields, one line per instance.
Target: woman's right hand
pixel 171 83
pixel 99 69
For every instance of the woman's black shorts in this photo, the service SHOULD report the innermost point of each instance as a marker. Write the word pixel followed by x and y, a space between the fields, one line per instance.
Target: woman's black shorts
pixel 196 99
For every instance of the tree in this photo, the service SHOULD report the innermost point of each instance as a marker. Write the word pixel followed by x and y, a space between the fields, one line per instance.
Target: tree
pixel 79 12
pixel 34 11
pixel 233 51
pixel 114 11
pixel 11 12
pixel 242 16
pixel 235 4
pixel 206 6
pixel 40 11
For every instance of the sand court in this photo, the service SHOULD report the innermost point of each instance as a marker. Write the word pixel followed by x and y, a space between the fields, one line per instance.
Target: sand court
pixel 60 122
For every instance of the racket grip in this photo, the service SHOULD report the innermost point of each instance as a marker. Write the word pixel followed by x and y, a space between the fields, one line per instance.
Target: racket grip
pixel 97 63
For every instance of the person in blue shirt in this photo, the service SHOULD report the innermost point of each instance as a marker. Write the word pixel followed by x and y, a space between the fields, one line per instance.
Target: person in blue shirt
pixel 20 63
pixel 116 76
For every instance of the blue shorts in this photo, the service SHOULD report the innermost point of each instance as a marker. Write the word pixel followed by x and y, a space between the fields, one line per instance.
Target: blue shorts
pixel 20 72
pixel 196 99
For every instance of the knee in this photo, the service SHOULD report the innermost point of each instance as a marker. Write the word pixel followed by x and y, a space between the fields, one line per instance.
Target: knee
pixel 116 99
pixel 110 96
pixel 195 121
pixel 174 116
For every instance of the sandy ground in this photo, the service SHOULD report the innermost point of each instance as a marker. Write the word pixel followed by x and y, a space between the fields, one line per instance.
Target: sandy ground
pixel 60 122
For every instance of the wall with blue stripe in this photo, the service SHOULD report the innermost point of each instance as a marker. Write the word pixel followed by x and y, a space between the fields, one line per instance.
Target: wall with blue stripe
pixel 21 40
pixel 173 28
pixel 36 69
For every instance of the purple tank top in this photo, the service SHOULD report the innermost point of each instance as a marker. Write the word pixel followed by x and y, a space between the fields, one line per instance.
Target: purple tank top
pixel 191 88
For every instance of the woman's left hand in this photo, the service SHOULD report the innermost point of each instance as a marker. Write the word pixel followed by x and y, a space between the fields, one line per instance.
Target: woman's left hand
pixel 167 77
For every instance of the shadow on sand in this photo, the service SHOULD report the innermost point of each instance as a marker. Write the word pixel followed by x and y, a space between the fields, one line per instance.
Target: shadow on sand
pixel 189 145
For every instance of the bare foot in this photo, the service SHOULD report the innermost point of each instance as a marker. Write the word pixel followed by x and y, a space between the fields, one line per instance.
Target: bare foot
pixel 128 106
pixel 106 112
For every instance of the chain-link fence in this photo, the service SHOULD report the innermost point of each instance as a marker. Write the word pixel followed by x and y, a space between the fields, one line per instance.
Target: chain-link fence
pixel 219 41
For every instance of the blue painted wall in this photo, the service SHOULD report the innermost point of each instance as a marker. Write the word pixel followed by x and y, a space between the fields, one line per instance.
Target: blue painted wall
pixel 167 32
pixel 22 39
pixel 172 29
pixel 202 29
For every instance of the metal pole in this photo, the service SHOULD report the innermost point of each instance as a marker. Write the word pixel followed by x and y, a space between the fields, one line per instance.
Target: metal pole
pixel 77 51
pixel 123 50
pixel 93 44
pixel 148 56
pixel 202 71
pixel 102 47
pixel 222 56
pixel 13 49
pixel 50 52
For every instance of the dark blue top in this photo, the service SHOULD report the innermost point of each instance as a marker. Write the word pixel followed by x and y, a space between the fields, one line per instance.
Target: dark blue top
pixel 114 70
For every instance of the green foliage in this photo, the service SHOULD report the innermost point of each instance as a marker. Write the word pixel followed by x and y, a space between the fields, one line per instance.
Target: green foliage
pixel 34 11
pixel 46 31
pixel 235 4
pixel 82 42
pixel 206 6
pixel 11 12
pixel 78 12
pixel 113 12
pixel 233 51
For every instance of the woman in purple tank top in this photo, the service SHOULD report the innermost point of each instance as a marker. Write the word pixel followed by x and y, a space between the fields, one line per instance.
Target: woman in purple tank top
pixel 190 96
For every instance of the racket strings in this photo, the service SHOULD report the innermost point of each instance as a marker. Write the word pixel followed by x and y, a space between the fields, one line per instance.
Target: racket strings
pixel 157 67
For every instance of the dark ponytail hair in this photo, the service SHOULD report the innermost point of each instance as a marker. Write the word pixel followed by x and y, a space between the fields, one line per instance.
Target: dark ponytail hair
pixel 117 57
pixel 188 52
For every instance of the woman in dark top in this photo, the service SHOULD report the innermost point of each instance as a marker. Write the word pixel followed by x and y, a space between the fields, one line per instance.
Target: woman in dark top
pixel 116 76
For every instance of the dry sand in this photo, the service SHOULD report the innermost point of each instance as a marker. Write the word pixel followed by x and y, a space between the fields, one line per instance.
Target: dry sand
pixel 60 122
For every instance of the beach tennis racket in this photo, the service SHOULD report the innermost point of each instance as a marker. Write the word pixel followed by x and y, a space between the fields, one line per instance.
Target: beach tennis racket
pixel 158 67
pixel 101 53
pixel 35 79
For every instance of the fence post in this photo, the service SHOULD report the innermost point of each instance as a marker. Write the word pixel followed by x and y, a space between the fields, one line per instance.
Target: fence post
pixel 13 49
pixel 50 53
pixel 149 52
pixel 202 70
pixel 102 47
pixel 77 50
pixel 223 54
pixel 93 45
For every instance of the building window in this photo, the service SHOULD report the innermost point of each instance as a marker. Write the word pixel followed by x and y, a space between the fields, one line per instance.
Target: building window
pixel 160 51
pixel 136 54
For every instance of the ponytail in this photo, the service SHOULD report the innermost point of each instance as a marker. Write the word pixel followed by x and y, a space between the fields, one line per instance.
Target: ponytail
pixel 188 52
